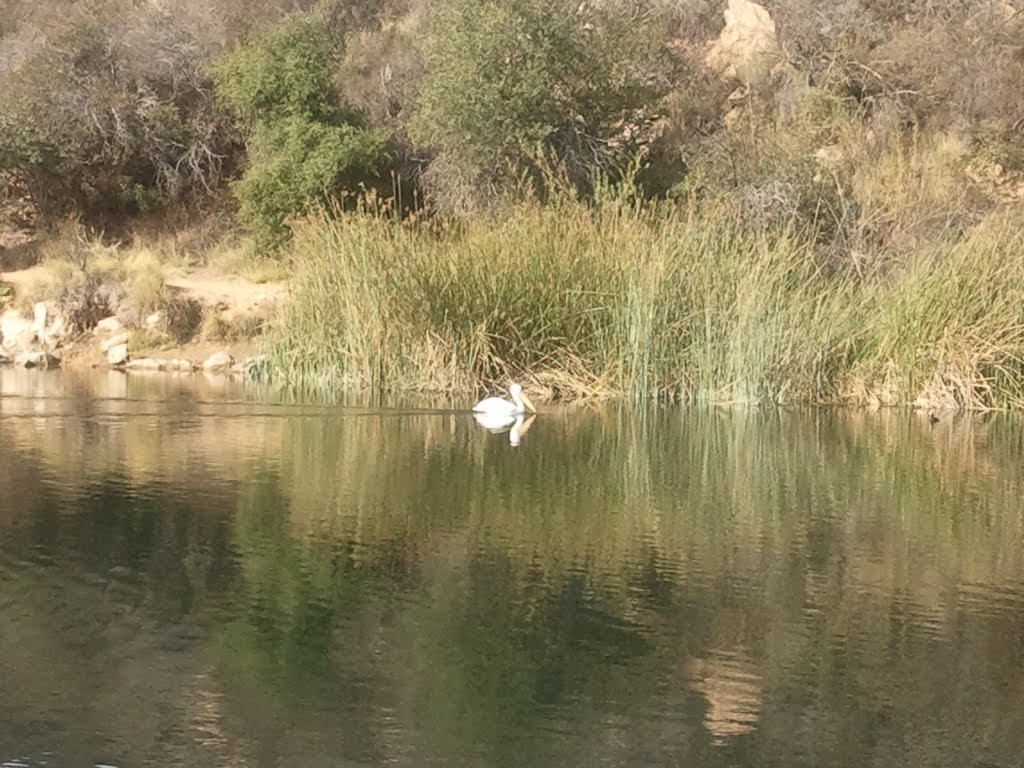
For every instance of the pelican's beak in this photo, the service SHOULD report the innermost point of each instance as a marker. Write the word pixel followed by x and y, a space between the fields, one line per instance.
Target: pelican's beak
pixel 526 401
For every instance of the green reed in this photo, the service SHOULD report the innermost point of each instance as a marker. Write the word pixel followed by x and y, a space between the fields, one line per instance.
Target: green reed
pixel 648 301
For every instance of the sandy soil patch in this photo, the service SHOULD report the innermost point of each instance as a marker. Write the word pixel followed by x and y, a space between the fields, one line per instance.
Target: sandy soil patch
pixel 227 296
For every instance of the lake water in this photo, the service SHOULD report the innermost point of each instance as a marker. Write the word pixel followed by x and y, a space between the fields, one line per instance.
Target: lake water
pixel 196 573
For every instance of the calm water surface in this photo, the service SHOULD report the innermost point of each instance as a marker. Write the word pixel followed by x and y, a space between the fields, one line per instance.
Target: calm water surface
pixel 195 573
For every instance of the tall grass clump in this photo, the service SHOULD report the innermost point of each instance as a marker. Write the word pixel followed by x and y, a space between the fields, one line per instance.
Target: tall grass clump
pixel 614 298
pixel 88 281
pixel 949 330
pixel 653 301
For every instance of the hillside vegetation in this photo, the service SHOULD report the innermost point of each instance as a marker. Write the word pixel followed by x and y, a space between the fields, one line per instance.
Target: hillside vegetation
pixel 697 199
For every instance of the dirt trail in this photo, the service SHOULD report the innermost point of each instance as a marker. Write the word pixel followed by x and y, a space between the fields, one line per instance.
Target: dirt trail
pixel 23 278
pixel 229 293
pixel 227 296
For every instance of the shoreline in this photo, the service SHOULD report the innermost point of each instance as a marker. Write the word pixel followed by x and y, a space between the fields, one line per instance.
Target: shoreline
pixel 446 401
pixel 578 303
pixel 230 316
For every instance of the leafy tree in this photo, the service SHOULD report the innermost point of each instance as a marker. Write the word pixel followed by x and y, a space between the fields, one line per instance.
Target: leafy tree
pixel 510 81
pixel 297 162
pixel 305 145
pixel 283 73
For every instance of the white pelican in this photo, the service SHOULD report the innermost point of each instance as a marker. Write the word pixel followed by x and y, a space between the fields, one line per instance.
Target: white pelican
pixel 497 406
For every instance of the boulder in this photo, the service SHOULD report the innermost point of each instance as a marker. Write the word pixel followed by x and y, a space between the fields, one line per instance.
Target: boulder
pixel 117 354
pixel 56 333
pixel 17 333
pixel 114 341
pixel 748 48
pixel 51 330
pixel 217 362
pixel 40 314
pixel 154 320
pixel 108 325
pixel 40 359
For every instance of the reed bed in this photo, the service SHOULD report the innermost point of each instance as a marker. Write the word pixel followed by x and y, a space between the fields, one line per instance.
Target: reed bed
pixel 650 301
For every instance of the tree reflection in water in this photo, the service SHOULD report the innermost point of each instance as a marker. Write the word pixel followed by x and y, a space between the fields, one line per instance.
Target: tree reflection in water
pixel 210 577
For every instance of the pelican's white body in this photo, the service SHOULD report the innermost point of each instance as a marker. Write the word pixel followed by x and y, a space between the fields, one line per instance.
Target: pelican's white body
pixel 497 406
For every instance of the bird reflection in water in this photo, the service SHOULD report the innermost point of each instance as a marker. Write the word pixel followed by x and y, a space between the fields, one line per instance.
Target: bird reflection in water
pixel 516 425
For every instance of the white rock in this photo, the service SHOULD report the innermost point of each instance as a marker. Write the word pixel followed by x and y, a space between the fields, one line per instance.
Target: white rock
pixel 153 320
pixel 748 47
pixel 57 332
pixel 40 314
pixel 114 341
pixel 17 333
pixel 109 325
pixel 117 354
pixel 218 361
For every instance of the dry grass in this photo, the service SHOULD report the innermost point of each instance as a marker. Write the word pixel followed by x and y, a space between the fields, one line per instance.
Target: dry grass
pixel 89 281
pixel 949 326
pixel 148 339
pixel 233 257
pixel 88 278
pixel 237 327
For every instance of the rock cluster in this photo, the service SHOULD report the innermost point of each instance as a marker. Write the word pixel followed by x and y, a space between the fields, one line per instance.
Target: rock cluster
pixel 40 341
pixel 32 342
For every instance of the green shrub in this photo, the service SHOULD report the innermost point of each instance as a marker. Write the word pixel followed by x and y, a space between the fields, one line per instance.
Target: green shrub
pixel 297 162
pixel 507 82
pixel 305 146
pixel 285 72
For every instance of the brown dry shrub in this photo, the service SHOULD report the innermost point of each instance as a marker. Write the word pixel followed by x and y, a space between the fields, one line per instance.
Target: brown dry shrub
pixel 109 108
pixel 954 72
pixel 183 316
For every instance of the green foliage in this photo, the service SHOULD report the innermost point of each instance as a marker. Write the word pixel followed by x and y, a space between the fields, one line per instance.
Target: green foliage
pixel 298 162
pixel 285 72
pixel 618 300
pixel 890 125
pixel 652 301
pixel 509 81
pixel 305 147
